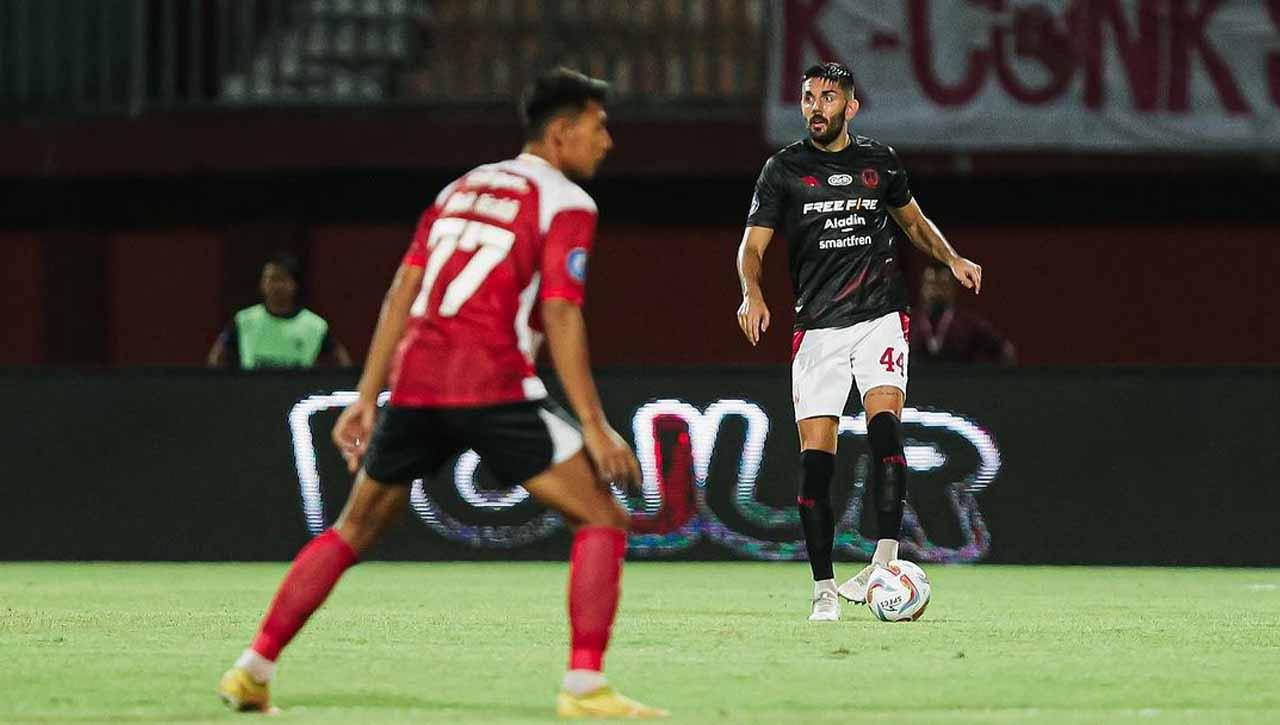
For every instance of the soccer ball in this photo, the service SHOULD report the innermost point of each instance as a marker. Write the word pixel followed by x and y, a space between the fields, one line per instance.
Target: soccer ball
pixel 898 592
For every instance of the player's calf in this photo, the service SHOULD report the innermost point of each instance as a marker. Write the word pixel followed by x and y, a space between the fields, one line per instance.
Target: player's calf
pixel 888 482
pixel 371 508
pixel 816 516
pixel 612 516
pixel 595 565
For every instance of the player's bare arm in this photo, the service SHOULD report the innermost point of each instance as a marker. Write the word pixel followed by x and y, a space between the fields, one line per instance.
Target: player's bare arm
pixel 217 354
pixel 925 234
pixel 339 357
pixel 355 425
pixel 753 313
pixel 567 341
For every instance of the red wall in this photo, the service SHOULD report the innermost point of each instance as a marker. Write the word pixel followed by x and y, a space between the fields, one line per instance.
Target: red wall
pixel 22 283
pixel 1177 295
pixel 164 296
pixel 348 270
pixel 1172 295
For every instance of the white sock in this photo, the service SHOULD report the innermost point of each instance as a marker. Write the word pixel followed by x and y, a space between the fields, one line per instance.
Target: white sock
pixel 824 585
pixel 259 668
pixel 580 682
pixel 886 551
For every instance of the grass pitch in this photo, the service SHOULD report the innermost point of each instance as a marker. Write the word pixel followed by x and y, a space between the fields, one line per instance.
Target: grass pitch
pixel 725 642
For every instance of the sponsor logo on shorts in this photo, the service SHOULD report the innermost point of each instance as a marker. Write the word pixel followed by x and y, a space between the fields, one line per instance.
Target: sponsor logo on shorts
pixel 840 179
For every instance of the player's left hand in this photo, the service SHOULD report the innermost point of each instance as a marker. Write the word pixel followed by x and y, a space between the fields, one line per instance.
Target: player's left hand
pixel 969 274
pixel 614 462
pixel 352 431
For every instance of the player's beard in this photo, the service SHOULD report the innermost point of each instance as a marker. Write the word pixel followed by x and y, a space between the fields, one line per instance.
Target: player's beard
pixel 830 133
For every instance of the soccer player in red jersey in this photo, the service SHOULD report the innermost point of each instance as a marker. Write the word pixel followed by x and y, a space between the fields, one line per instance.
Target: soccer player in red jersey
pixel 497 262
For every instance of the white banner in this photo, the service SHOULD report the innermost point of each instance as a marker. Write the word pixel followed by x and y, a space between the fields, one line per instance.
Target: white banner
pixel 1197 76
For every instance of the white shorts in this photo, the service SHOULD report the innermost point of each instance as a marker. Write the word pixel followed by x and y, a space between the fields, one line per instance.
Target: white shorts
pixel 826 363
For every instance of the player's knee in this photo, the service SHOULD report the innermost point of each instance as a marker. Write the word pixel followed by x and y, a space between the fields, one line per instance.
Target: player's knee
pixel 884 434
pixel 819 434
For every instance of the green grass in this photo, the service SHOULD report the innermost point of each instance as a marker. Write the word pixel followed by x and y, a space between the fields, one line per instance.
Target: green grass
pixel 725 642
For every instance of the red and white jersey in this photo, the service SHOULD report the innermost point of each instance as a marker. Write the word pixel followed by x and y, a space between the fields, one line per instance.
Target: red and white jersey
pixel 495 243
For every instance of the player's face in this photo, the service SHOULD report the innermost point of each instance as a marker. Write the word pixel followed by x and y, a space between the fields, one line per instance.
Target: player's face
pixel 826 109
pixel 279 288
pixel 585 141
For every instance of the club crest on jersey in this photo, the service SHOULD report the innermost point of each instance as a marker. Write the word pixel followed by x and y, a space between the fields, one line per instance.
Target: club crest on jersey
pixel 870 178
pixel 576 264
pixel 840 179
pixel 810 181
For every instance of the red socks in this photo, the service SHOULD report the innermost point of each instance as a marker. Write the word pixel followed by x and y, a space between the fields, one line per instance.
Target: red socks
pixel 595 574
pixel 313 575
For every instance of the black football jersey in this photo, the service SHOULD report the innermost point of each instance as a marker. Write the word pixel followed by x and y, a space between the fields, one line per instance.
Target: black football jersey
pixel 833 209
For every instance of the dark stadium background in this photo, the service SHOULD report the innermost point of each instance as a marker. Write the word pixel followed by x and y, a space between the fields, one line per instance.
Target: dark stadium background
pixel 139 197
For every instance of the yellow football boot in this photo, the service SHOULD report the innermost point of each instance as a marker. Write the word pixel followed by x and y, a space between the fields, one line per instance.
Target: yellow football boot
pixel 604 703
pixel 242 693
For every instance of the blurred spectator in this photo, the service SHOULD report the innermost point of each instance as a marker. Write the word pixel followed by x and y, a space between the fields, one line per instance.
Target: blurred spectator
pixel 943 332
pixel 279 332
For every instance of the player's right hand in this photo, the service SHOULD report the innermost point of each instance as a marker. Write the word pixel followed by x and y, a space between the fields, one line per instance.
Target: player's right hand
pixel 353 430
pixel 613 459
pixel 753 317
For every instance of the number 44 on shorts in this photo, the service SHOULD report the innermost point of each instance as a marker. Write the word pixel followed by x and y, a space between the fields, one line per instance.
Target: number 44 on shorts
pixel 889 361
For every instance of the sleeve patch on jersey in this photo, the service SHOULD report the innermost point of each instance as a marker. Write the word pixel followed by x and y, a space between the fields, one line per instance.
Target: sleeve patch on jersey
pixel 576 264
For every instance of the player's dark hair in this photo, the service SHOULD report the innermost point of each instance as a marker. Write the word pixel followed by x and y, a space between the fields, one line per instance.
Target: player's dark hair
pixel 555 92
pixel 837 73
pixel 288 263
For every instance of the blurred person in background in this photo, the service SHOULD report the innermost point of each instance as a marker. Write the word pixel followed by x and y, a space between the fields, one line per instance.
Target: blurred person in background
pixel 943 332
pixel 278 332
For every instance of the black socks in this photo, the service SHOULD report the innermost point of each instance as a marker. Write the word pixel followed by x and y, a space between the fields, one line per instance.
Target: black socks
pixel 816 516
pixel 888 473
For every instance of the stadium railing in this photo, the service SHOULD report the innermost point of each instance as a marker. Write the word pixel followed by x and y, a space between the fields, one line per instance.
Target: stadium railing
pixel 67 57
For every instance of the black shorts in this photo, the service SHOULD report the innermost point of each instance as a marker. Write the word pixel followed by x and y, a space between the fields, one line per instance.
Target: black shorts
pixel 516 441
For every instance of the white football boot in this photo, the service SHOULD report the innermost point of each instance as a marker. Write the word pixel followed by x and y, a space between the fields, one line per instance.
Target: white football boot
pixel 826 602
pixel 855 590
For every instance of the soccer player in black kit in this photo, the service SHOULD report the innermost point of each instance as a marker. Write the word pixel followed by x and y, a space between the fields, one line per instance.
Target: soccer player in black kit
pixel 832 195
